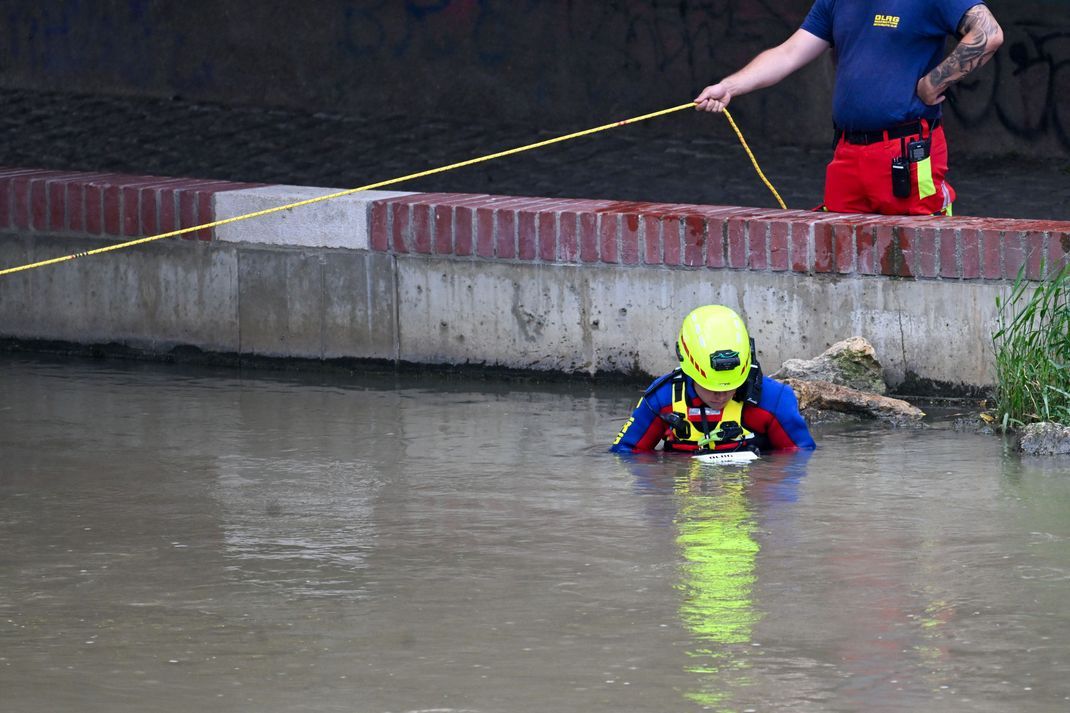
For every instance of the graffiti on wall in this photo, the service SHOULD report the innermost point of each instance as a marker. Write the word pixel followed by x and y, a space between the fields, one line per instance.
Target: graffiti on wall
pixel 677 47
pixel 549 57
pixel 692 40
pixel 1026 89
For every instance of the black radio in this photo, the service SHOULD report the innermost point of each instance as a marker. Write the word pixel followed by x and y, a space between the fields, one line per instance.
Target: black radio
pixel 900 177
pixel 918 150
pixel 914 152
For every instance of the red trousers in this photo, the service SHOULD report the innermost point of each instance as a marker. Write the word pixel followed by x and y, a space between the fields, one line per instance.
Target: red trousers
pixel 859 179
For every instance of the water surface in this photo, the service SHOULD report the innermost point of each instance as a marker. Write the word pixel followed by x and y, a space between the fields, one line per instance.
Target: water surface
pixel 176 539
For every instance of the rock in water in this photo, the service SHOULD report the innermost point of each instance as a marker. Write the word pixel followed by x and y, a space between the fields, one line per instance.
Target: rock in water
pixel 1045 439
pixel 817 397
pixel 851 363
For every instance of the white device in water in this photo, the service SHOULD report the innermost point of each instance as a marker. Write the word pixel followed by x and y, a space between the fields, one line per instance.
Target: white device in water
pixel 727 458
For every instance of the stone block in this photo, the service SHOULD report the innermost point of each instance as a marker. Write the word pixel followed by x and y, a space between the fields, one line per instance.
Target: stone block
pixel 336 223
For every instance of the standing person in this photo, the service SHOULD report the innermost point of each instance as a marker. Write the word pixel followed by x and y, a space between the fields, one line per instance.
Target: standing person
pixel 891 77
pixel 718 398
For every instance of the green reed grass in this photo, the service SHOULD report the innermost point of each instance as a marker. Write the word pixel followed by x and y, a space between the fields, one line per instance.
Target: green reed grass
pixel 1032 346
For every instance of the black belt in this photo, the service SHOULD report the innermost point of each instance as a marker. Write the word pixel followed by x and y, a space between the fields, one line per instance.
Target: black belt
pixel 895 132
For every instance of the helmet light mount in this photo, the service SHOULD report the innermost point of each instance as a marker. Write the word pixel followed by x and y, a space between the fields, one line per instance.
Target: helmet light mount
pixel 724 360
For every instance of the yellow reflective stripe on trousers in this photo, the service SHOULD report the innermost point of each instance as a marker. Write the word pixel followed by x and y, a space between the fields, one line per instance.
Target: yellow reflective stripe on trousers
pixel 926 187
pixel 948 208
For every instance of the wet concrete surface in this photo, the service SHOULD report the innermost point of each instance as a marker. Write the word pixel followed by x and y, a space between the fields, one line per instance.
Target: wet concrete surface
pixel 681 158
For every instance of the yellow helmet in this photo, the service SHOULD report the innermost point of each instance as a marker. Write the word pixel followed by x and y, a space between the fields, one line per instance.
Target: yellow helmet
pixel 714 348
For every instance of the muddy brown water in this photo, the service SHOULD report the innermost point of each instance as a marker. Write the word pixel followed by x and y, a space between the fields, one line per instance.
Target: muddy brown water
pixel 177 539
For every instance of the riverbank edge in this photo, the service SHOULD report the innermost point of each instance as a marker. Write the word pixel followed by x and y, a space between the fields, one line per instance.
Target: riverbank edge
pixel 593 288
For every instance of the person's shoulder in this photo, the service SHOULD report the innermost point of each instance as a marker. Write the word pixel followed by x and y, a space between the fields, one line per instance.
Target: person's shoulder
pixel 964 5
pixel 659 393
pixel 951 12
pixel 661 384
pixel 824 5
pixel 771 385
pixel 818 22
pixel 774 392
pixel 823 8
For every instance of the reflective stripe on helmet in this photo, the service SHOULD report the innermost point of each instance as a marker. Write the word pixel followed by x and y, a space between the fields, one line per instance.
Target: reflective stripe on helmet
pixel 691 358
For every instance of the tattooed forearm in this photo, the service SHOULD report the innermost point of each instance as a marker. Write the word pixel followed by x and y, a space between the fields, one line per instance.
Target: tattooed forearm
pixel 981 37
pixel 967 56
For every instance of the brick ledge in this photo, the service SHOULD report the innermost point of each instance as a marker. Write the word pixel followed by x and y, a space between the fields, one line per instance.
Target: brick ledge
pixel 585 232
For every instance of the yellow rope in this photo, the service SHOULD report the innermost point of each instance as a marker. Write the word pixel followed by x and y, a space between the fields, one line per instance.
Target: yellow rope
pixel 753 160
pixel 388 182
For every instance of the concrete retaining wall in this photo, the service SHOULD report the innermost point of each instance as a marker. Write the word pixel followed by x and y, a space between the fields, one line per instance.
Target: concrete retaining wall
pixel 528 283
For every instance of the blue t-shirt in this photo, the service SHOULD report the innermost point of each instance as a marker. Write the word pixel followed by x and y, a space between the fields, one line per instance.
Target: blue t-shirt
pixel 883 47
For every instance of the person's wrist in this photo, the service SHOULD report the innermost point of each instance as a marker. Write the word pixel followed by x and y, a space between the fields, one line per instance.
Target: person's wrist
pixel 925 90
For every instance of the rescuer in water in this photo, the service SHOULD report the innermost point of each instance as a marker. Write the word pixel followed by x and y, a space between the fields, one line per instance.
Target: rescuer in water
pixel 718 398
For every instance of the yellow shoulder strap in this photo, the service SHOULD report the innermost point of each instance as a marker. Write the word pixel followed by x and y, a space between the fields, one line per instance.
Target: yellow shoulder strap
pixel 731 413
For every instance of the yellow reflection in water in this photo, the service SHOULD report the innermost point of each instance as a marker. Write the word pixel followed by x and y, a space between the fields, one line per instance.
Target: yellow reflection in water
pixel 716 530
